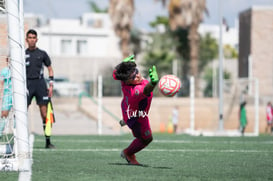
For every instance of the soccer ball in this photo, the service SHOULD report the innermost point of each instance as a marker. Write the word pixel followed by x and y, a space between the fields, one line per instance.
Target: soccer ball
pixel 169 85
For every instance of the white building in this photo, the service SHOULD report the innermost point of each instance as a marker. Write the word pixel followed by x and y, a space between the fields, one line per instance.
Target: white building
pixel 230 37
pixel 82 48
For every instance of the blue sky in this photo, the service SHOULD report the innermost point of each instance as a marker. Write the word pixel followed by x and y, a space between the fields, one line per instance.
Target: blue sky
pixel 145 10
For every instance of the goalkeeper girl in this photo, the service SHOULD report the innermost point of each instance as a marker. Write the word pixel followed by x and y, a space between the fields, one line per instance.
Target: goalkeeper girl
pixel 135 105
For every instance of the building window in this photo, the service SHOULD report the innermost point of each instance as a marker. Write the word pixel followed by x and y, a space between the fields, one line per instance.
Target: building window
pixel 95 23
pixel 66 46
pixel 90 22
pixel 81 47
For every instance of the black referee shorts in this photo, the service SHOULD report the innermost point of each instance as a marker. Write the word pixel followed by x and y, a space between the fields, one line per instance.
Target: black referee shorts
pixel 37 88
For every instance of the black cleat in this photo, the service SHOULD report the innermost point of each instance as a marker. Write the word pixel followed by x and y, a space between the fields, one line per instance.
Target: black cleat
pixel 122 123
pixel 50 146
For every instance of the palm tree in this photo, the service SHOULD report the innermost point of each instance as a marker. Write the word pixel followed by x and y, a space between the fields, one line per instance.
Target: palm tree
pixel 188 14
pixel 182 13
pixel 121 13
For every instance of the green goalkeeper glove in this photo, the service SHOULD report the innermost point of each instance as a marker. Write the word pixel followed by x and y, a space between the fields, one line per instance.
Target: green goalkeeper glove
pixel 130 58
pixel 153 75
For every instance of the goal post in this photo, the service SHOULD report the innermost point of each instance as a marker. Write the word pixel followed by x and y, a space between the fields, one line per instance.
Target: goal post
pixel 16 44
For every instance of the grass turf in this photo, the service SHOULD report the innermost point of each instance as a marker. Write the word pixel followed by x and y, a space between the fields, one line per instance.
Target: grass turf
pixel 168 157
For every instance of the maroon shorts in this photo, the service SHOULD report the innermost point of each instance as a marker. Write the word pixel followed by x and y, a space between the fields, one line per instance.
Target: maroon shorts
pixel 140 127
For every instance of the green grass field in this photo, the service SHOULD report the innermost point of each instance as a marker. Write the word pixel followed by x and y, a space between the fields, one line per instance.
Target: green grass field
pixel 168 157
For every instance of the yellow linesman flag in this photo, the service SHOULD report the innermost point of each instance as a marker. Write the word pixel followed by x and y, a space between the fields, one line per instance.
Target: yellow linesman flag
pixel 50 119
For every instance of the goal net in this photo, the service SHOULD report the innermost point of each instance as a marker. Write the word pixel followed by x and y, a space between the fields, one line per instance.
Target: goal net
pixel 14 138
pixel 236 92
pixel 206 111
pixel 7 126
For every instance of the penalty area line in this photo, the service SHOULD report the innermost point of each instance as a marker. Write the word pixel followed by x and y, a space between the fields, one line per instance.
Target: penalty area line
pixel 161 141
pixel 156 150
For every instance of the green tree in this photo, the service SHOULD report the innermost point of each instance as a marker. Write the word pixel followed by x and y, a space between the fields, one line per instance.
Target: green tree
pixel 230 52
pixel 208 50
pixel 188 14
pixel 95 8
pixel 165 47
pixel 135 41
pixel 208 77
pixel 159 50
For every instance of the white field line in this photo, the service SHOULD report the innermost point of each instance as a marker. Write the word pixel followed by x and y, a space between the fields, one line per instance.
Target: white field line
pixel 160 150
pixel 161 141
pixel 157 150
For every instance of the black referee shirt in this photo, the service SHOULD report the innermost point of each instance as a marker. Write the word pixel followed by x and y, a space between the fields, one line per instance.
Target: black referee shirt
pixel 35 61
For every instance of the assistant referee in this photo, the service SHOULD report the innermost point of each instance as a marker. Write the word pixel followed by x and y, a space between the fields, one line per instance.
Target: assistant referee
pixel 36 60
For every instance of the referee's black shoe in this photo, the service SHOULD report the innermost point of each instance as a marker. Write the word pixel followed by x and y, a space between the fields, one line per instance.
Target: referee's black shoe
pixel 50 146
